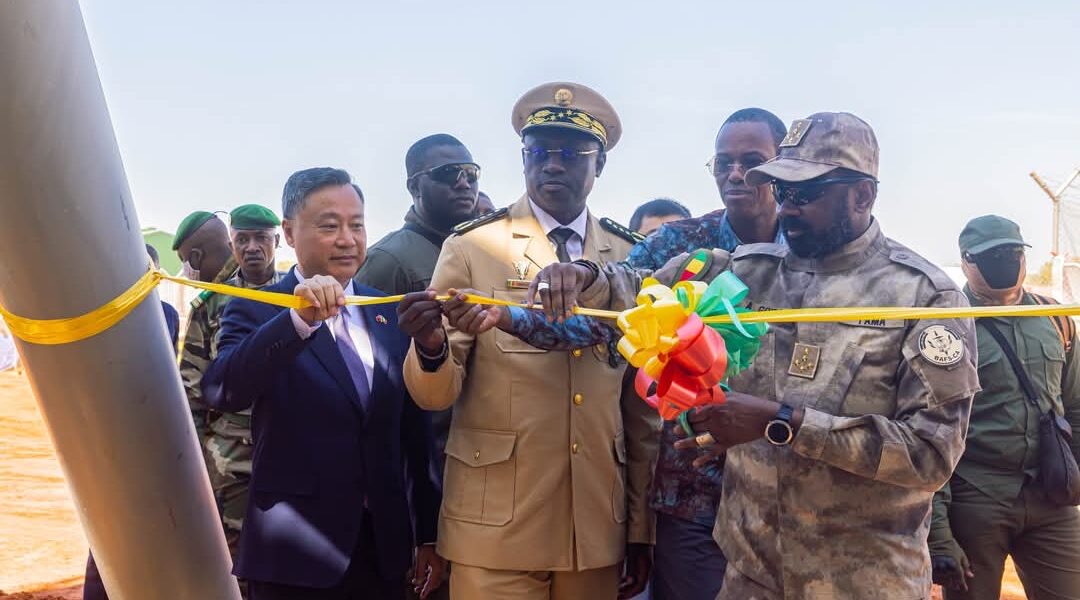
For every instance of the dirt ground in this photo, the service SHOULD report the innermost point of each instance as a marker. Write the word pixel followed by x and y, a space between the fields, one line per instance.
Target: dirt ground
pixel 42 547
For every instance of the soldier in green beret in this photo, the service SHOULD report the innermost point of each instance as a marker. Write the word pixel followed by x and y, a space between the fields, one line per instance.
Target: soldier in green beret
pixel 227 441
pixel 202 243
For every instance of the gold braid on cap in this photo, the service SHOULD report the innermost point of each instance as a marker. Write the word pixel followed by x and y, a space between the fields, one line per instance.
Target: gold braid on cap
pixel 578 119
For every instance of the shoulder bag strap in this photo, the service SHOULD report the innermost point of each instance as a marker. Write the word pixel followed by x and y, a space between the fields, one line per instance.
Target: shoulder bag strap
pixel 1025 383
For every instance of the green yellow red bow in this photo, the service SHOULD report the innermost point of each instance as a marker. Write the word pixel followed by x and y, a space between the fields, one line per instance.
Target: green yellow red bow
pixel 681 361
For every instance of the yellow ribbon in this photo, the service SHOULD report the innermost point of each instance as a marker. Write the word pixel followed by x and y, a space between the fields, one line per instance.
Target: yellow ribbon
pixel 649 322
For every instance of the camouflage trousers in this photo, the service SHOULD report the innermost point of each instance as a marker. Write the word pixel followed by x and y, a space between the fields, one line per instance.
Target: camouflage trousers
pixel 228 462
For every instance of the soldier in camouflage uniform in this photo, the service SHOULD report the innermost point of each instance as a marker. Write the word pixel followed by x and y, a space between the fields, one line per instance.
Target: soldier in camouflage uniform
pixel 838 434
pixel 227 446
pixel 202 243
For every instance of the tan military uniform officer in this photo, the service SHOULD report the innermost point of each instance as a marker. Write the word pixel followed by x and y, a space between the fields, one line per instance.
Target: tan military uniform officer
pixel 537 482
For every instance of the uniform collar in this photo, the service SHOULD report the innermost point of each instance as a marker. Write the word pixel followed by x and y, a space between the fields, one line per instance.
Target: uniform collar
pixel 414 218
pixel 847 257
pixel 548 222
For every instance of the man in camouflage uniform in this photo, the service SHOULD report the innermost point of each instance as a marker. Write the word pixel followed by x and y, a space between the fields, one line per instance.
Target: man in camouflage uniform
pixel 227 445
pixel 838 434
pixel 202 243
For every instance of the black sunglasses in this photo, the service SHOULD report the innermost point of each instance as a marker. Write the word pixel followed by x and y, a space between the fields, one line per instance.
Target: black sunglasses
pixel 450 174
pixel 1009 251
pixel 803 193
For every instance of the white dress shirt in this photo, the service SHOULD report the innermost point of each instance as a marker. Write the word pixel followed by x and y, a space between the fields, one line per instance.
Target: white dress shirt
pixel 357 328
pixel 574 245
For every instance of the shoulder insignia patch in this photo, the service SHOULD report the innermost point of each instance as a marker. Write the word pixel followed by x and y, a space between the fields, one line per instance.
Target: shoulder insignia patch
pixel 491 217
pixel 624 232
pixel 940 345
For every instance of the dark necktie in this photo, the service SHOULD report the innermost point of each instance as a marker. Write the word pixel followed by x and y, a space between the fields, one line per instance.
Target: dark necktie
pixel 561 235
pixel 352 357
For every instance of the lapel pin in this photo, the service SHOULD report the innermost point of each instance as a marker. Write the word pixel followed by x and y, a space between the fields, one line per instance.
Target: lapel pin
pixel 381 320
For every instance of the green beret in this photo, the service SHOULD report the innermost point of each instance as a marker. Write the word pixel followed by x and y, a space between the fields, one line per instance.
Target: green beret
pixel 253 216
pixel 188 226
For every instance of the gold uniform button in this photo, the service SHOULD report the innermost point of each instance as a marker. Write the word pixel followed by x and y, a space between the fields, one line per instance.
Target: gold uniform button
pixel 574 447
pixel 578 399
pixel 477 455
pixel 577 352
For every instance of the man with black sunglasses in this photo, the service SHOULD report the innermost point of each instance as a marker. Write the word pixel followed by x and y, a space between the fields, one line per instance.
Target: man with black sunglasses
pixel 547 466
pixel 994 506
pixel 838 434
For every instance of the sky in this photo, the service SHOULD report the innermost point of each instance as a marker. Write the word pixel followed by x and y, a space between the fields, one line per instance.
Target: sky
pixel 216 103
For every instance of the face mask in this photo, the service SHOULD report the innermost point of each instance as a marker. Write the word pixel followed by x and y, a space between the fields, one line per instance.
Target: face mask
pixel 189 272
pixel 1000 272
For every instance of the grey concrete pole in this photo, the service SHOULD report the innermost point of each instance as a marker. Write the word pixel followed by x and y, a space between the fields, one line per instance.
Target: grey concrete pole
pixel 69 242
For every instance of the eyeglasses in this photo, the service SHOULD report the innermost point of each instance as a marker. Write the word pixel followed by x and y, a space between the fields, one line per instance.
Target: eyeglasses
pixel 717 167
pixel 450 174
pixel 801 194
pixel 565 154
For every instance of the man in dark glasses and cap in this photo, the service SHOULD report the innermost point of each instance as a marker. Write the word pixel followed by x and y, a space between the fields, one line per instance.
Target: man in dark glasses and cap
pixel 839 433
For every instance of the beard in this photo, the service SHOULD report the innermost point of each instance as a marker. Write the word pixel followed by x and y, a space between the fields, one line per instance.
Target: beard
pixel 813 244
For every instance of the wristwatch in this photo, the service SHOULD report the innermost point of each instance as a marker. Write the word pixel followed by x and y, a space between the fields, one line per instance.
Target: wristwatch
pixel 778 431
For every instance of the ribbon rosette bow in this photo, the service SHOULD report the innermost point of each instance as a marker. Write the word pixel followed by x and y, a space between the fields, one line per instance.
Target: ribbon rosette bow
pixel 682 360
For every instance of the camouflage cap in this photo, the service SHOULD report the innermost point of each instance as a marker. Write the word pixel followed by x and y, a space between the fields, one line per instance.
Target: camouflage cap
pixel 253 216
pixel 988 232
pixel 818 144
pixel 567 105
pixel 189 225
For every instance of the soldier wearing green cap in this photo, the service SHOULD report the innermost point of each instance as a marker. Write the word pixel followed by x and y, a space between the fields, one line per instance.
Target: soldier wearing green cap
pixel 227 445
pixel 993 506
pixel 202 243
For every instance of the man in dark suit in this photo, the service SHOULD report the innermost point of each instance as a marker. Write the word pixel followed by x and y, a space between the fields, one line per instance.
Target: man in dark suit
pixel 333 425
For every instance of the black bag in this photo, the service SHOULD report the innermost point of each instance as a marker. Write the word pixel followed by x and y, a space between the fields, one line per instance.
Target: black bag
pixel 1059 476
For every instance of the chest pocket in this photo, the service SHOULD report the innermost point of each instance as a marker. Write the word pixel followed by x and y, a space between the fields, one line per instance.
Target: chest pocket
pixel 505 341
pixel 856 368
pixel 480 476
pixel 1053 355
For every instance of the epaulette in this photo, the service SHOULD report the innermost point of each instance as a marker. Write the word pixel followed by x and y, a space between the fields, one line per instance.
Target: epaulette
pixel 898 253
pixel 201 299
pixel 624 232
pixel 491 217
pixel 761 249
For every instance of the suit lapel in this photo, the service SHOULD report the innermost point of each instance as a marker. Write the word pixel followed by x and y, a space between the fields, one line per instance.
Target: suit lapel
pixel 382 336
pixel 529 239
pixel 597 246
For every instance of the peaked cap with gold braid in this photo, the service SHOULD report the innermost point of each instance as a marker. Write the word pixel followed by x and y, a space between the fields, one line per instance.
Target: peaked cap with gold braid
pixel 571 106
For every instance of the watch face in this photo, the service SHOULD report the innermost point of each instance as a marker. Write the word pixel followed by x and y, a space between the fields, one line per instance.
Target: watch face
pixel 778 432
